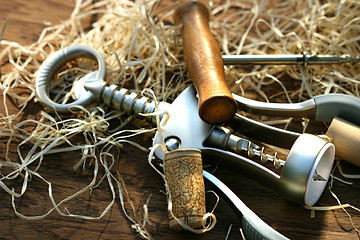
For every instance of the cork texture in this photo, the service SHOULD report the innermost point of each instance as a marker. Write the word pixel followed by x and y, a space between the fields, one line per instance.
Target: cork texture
pixel 183 173
pixel 346 138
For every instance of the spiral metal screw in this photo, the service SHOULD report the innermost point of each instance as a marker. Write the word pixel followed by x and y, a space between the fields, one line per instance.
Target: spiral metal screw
pixel 254 150
pixel 123 100
pixel 224 138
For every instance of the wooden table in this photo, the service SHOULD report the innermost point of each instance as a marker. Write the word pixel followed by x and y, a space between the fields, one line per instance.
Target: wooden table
pixel 25 24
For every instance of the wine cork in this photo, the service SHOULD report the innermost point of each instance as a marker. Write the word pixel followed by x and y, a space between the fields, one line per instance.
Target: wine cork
pixel 346 138
pixel 183 173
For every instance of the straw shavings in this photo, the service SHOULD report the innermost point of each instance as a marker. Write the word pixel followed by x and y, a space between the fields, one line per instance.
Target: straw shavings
pixel 143 50
pixel 137 57
pixel 347 175
pixel 291 27
pixel 335 207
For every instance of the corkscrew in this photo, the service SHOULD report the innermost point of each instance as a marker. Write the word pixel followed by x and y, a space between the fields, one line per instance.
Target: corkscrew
pixel 304 173
pixel 309 160
pixel 225 138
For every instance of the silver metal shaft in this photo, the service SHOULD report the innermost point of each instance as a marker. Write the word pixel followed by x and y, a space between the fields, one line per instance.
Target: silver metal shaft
pixel 292 59
pixel 224 138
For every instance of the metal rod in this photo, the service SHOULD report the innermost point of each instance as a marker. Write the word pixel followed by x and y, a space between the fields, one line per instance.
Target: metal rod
pixel 224 138
pixel 292 59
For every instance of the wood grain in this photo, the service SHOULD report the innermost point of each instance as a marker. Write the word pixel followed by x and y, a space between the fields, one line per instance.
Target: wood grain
pixel 204 63
pixel 25 24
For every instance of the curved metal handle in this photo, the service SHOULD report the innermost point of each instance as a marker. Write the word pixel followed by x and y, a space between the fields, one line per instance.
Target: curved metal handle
pixel 262 132
pixel 54 63
pixel 320 108
pixel 306 109
pixel 337 105
pixel 253 226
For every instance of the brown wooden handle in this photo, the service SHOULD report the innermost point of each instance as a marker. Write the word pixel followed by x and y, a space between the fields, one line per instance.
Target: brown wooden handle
pixel 204 62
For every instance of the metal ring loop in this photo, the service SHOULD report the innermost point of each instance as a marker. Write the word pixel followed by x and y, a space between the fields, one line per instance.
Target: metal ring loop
pixel 54 63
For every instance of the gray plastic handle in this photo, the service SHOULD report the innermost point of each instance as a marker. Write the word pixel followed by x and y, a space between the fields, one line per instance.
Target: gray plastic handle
pixel 337 105
pixel 54 63
pixel 253 227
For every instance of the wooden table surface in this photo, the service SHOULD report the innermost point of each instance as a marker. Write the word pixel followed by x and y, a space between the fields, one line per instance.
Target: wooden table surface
pixel 25 24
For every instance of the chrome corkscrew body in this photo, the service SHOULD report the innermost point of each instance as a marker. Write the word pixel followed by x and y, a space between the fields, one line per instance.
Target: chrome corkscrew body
pixel 224 138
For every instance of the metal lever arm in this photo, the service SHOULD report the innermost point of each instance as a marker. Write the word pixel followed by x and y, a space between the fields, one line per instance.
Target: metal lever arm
pixel 320 108
pixel 262 132
pixel 254 228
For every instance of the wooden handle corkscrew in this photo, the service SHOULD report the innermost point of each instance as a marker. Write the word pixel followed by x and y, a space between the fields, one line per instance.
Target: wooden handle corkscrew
pixel 204 62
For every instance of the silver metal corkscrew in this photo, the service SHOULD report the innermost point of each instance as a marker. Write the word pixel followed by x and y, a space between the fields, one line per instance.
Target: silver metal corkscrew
pixel 226 139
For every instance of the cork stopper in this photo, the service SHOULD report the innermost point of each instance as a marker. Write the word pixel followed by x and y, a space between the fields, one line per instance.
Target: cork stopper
pixel 183 173
pixel 346 138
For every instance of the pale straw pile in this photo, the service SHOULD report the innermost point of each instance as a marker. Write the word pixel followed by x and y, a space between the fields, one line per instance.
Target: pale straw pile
pixel 142 48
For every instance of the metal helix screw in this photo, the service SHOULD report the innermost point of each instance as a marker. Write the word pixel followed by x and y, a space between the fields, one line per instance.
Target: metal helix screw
pixel 224 138
pixel 255 150
pixel 123 100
